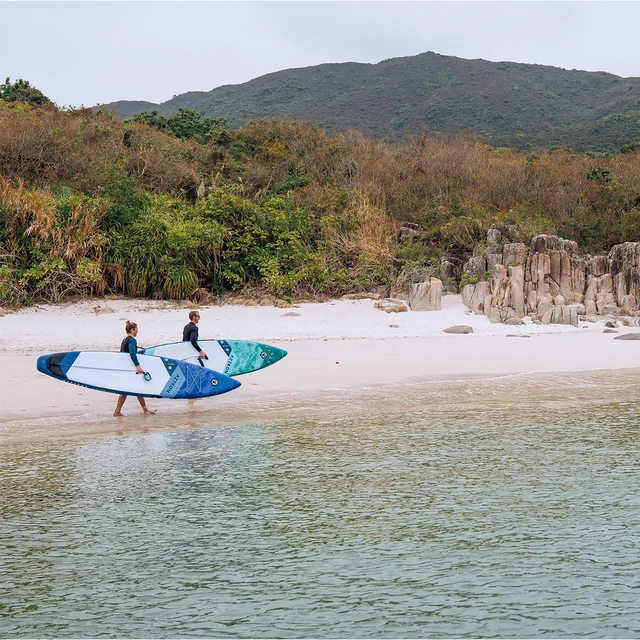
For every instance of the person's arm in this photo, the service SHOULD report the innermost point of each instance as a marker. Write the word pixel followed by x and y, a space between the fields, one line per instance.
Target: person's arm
pixel 133 352
pixel 194 342
pixel 193 338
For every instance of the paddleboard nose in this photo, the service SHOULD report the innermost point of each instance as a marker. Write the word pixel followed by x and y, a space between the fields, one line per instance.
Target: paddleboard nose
pixel 220 383
pixel 42 364
pixel 270 355
pixel 49 364
pixel 56 364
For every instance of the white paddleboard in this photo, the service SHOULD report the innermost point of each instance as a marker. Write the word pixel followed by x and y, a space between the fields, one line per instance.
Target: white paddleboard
pixel 115 372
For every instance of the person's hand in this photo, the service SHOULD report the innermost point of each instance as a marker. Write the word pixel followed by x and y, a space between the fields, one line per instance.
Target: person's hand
pixel 139 369
pixel 203 355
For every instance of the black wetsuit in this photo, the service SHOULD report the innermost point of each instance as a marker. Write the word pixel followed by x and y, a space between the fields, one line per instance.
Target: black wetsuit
pixel 130 345
pixel 190 334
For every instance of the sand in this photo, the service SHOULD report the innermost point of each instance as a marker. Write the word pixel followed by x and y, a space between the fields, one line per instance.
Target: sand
pixel 334 347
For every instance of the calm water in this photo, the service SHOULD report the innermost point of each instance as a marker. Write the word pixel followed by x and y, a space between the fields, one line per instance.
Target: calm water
pixel 478 519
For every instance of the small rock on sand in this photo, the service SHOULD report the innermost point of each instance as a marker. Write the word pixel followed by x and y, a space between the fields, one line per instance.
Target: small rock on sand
pixel 391 305
pixel 459 329
pixel 361 296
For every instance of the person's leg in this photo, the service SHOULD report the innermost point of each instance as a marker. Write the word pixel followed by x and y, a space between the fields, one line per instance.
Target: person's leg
pixel 117 413
pixel 143 404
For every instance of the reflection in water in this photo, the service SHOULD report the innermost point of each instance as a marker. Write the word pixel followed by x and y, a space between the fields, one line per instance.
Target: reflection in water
pixel 505 516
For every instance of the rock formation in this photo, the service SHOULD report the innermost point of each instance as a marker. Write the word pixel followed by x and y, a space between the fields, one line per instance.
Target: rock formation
pixel 550 282
pixel 426 296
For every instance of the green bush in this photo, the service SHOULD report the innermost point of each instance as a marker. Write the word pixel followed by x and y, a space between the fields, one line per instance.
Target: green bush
pixel 468 279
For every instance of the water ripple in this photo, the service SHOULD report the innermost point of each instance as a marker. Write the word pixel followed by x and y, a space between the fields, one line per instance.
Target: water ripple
pixel 468 521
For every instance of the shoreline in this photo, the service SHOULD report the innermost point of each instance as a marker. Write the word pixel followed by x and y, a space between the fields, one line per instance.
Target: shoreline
pixel 472 397
pixel 339 347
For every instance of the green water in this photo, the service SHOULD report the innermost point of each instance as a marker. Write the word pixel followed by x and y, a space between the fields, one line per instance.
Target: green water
pixel 476 520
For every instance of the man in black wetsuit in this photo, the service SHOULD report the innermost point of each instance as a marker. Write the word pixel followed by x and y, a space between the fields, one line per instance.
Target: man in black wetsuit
pixel 190 334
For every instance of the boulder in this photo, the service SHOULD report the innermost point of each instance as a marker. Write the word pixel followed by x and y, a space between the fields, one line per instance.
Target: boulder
pixel 544 304
pixel 516 294
pixel 459 329
pixel 513 255
pixel 494 315
pixel 492 260
pixel 426 296
pixel 494 241
pixel 546 243
pixel 391 305
pixel 628 336
pixel 476 267
pixel 107 309
pixel 450 267
pixel 509 316
pixel 597 265
pixel 532 302
pixel 474 296
pixel 581 310
pixel 628 304
pixel 467 294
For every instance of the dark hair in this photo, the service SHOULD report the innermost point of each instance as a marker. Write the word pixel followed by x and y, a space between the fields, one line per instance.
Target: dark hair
pixel 130 326
pixel 193 314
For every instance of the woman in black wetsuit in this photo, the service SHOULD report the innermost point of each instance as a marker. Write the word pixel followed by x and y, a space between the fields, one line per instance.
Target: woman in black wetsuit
pixel 130 345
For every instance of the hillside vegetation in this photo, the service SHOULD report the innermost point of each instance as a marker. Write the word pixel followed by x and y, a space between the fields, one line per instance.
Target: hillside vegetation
pixel 184 207
pixel 524 106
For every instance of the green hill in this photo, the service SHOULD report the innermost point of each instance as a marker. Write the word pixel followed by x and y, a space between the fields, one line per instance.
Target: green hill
pixel 525 106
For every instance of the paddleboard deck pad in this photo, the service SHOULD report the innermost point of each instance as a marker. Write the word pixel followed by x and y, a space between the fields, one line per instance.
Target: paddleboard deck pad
pixel 231 357
pixel 115 372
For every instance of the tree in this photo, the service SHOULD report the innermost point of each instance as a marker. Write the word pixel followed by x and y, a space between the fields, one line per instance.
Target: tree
pixel 22 91
pixel 630 147
pixel 187 124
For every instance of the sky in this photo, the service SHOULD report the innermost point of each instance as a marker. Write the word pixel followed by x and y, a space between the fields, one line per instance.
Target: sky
pixel 87 53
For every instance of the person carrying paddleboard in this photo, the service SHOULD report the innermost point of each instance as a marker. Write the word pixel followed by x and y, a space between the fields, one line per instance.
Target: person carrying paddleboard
pixel 130 345
pixel 190 334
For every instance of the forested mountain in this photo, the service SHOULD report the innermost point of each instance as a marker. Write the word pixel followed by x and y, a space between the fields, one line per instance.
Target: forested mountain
pixel 524 106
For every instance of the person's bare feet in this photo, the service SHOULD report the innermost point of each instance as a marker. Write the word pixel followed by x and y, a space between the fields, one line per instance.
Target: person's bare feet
pixel 117 414
pixel 151 411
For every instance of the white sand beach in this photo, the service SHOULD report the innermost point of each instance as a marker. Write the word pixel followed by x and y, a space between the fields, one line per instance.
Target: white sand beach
pixel 333 346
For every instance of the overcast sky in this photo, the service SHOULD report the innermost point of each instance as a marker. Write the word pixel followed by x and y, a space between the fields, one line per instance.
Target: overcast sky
pixel 86 53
